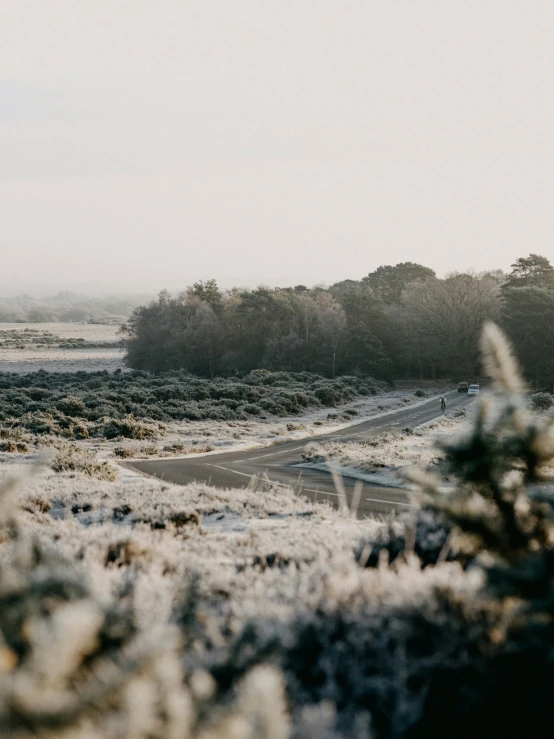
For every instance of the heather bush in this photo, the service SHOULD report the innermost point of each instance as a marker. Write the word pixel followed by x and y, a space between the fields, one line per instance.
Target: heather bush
pixel 69 661
pixel 73 459
pixel 78 405
pixel 426 536
pixel 129 428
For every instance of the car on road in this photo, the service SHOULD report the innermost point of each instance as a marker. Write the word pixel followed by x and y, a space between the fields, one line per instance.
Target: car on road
pixel 473 390
pixel 463 387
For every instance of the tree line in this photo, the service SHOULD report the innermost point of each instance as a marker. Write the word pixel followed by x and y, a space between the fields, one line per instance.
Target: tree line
pixel 398 321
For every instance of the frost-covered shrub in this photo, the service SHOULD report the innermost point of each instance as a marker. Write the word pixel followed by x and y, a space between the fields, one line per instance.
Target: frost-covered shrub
pixel 85 403
pixel 71 664
pixel 75 666
pixel 542 401
pixel 128 428
pixel 381 648
pixel 71 406
pixel 420 393
pixel 74 459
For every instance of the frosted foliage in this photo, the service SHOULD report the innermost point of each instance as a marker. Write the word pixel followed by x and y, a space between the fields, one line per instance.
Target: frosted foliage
pixel 88 649
pixel 135 609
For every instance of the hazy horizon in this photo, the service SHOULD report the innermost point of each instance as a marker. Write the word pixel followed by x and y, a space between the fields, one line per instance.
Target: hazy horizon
pixel 101 289
pixel 150 145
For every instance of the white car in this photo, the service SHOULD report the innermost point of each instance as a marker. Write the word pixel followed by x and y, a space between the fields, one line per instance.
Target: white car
pixel 473 390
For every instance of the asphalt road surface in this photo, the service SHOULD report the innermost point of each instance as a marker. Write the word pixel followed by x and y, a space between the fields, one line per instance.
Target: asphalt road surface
pixel 279 462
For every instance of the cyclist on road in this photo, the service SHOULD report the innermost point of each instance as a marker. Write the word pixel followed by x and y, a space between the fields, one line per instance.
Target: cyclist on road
pixel 443 404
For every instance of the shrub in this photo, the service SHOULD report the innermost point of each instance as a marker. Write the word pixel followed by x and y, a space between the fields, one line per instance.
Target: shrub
pixel 542 401
pixel 427 537
pixel 72 405
pixel 128 428
pixel 420 393
pixel 74 665
pixel 73 459
pixel 11 446
pixel 122 452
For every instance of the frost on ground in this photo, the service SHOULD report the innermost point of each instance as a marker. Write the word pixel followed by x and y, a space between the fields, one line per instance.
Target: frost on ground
pixel 253 550
pixel 198 437
pixel 47 346
pixel 90 332
pixel 392 452
pixel 241 574
pixel 132 609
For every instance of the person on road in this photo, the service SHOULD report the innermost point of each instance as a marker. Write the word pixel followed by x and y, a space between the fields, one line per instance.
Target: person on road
pixel 443 404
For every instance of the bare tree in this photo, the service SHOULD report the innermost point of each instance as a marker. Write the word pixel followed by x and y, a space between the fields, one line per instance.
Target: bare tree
pixel 445 318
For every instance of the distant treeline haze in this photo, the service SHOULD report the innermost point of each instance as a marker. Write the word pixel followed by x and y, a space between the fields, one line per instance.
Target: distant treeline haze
pixel 398 321
pixel 68 307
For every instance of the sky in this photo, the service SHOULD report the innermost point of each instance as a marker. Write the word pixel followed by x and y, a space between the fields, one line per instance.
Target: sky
pixel 152 143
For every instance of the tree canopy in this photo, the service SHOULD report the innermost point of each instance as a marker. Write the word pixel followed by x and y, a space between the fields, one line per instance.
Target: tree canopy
pixel 399 321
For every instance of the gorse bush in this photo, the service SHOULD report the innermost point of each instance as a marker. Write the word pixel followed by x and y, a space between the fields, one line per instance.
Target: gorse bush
pixel 126 405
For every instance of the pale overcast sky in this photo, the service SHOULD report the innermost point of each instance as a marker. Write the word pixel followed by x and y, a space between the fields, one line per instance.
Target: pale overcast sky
pixel 151 143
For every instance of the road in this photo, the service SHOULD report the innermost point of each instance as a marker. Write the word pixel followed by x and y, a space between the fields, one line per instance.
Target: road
pixel 236 469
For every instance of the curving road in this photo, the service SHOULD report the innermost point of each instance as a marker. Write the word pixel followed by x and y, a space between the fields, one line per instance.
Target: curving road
pixel 279 462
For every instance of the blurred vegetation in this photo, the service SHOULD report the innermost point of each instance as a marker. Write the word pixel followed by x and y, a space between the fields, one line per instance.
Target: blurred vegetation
pixel 67 307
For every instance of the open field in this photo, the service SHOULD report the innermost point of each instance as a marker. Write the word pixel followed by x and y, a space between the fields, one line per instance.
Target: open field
pixel 31 347
pixel 90 332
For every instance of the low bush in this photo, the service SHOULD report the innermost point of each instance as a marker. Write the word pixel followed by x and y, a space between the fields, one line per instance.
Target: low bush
pixel 123 453
pixel 74 459
pixel 420 393
pixel 132 404
pixel 542 401
pixel 9 445
pixel 128 428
